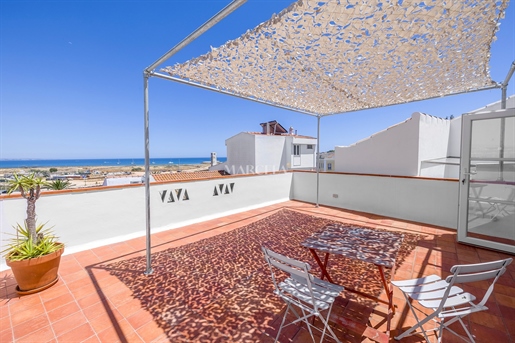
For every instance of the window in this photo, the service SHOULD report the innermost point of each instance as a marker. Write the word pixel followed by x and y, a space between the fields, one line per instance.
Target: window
pixel 296 150
pixel 310 147
pixel 329 166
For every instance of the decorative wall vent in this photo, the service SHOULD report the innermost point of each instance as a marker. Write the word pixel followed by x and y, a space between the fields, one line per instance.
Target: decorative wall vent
pixel 179 194
pixel 223 189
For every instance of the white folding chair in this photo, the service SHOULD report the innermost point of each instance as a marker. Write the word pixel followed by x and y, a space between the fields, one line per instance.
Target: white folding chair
pixel 302 290
pixel 447 300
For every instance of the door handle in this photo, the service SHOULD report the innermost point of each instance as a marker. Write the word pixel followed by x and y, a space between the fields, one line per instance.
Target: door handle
pixel 467 173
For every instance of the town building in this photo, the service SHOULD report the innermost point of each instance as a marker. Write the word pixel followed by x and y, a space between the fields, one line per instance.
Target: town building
pixel 423 145
pixel 274 149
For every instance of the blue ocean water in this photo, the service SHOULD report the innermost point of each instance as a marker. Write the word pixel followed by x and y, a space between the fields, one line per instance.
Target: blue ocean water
pixel 104 162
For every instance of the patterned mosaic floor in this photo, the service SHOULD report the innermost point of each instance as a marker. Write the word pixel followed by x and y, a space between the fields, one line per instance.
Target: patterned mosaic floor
pixel 211 284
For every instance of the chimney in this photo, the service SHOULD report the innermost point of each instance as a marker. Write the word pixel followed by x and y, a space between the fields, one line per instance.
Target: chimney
pixel 291 130
pixel 214 162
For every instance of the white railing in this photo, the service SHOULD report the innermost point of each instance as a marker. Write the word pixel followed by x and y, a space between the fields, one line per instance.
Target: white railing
pixel 87 218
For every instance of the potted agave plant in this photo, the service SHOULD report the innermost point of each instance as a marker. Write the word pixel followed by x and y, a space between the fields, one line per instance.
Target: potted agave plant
pixel 34 252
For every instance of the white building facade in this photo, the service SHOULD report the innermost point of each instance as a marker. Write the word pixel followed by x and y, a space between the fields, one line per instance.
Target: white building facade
pixel 423 145
pixel 268 152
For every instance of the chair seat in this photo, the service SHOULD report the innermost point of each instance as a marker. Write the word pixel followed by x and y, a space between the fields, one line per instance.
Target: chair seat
pixel 427 288
pixel 324 292
pixel 451 301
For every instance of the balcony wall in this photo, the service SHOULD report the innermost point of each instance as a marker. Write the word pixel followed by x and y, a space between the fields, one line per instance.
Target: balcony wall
pixel 425 200
pixel 86 218
pixel 91 217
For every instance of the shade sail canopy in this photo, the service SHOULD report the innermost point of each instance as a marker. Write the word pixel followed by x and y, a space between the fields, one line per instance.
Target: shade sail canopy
pixel 328 57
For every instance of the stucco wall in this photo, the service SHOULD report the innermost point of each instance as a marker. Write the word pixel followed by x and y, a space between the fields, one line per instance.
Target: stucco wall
pixel 98 217
pixel 270 153
pixel 454 149
pixel 418 199
pixel 240 153
pixel 393 151
pixel 433 137
pixel 84 219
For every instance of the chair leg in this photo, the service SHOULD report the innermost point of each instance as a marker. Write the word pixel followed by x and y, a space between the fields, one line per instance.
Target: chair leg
pixel 306 320
pixel 419 324
pixel 282 323
pixel 325 321
pixel 446 326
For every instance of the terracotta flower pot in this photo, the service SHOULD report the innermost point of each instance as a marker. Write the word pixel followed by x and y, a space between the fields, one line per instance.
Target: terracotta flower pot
pixel 36 274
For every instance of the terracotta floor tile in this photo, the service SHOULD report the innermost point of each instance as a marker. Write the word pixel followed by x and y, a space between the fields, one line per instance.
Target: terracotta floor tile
pixel 505 300
pixel 80 332
pixel 104 321
pixel 63 311
pixel 92 339
pixel 150 331
pixel 69 323
pixel 58 301
pixel 121 297
pixel 507 312
pixel 20 317
pixel 98 309
pixel 117 333
pixel 139 319
pixel 6 335
pixel 54 291
pixel 42 335
pixel 69 265
pixel 90 300
pixel 30 325
pixel 23 303
pixel 129 308
pixel 83 281
pixel 486 334
pixel 84 291
pixel 100 303
pixel 86 258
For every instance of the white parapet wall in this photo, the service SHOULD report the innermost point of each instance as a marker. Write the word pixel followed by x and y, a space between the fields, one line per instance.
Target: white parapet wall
pixel 430 201
pixel 89 218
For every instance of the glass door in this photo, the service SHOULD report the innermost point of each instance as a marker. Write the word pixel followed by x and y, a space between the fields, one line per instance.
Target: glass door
pixel 487 183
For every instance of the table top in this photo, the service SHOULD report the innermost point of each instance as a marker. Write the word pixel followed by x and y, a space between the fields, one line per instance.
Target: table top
pixel 359 243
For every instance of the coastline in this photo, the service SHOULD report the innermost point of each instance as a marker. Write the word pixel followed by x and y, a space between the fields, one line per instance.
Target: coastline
pixel 97 174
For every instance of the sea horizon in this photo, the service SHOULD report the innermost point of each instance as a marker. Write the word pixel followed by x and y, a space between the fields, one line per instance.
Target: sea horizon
pixel 103 162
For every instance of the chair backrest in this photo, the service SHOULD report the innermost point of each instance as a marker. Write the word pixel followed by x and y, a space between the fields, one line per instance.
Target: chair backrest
pixel 297 270
pixel 478 272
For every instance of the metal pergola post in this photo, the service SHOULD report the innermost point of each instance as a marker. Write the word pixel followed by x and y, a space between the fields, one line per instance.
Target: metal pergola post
pixel 504 85
pixel 149 72
pixel 504 88
pixel 146 76
pixel 318 158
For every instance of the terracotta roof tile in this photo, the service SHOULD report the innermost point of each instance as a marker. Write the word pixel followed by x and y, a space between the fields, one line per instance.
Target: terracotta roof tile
pixel 189 175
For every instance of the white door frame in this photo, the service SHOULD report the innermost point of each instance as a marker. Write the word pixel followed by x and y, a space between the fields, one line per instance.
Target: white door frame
pixel 465 172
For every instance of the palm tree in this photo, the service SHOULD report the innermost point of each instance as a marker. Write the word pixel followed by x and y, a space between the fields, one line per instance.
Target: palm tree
pixel 58 184
pixel 30 188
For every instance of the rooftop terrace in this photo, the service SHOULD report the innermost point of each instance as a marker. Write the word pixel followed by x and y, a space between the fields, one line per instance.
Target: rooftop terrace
pixel 211 284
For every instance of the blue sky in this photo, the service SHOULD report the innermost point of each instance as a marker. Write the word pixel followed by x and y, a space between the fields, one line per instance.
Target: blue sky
pixel 71 82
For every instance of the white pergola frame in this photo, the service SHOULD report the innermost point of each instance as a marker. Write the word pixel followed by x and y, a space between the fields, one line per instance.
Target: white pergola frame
pixel 150 72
